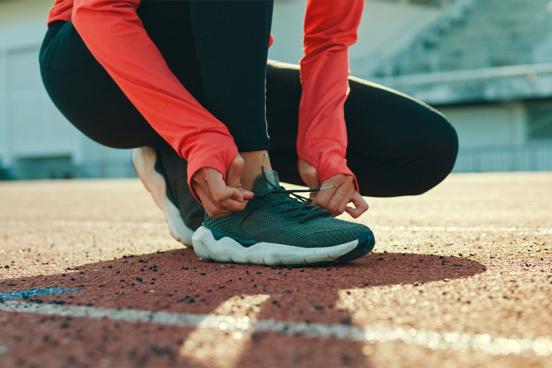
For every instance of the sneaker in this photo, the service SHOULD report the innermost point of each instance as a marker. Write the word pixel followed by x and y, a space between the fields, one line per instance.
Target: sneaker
pixel 163 173
pixel 278 229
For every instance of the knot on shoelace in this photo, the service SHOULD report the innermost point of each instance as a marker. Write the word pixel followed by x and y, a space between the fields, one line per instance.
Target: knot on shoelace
pixel 300 208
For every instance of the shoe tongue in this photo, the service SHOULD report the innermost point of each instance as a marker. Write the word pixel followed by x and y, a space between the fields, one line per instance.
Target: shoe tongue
pixel 263 182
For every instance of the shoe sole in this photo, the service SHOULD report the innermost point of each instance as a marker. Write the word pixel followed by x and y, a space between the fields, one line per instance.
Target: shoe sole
pixel 272 254
pixel 143 161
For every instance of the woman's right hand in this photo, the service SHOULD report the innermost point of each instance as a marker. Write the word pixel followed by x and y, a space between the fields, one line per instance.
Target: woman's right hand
pixel 218 197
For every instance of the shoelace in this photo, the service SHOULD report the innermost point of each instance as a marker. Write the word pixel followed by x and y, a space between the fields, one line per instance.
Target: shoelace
pixel 299 209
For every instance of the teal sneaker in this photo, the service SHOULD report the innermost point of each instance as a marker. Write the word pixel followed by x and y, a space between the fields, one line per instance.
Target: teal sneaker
pixel 278 229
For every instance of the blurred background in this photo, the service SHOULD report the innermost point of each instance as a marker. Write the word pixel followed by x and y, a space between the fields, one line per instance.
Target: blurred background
pixel 486 64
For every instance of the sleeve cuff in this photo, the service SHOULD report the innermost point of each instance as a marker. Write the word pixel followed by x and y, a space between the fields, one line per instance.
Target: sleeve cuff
pixel 216 151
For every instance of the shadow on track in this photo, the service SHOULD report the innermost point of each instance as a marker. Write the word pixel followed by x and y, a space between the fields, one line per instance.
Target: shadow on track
pixel 177 281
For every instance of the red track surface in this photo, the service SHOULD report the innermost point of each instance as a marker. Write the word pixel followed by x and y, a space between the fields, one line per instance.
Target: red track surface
pixel 472 256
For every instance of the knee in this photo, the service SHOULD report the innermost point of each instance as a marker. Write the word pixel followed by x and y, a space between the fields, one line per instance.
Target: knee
pixel 445 147
pixel 439 155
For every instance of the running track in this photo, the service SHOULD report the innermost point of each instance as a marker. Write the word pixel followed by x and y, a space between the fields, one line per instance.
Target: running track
pixel 462 276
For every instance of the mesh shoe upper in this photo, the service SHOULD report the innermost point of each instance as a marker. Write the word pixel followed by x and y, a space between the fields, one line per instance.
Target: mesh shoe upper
pixel 276 217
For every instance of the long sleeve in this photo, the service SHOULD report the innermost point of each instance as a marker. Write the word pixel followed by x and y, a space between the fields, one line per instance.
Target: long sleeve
pixel 116 37
pixel 330 28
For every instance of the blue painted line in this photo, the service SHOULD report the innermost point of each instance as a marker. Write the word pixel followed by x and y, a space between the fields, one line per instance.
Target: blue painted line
pixel 35 292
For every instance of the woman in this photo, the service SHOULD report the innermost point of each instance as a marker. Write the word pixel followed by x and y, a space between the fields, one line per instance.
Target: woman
pixel 187 84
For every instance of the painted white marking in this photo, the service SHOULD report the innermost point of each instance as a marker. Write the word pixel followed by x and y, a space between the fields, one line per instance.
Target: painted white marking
pixel 468 229
pixel 3 349
pixel 221 347
pixel 459 341
pixel 136 225
pixel 86 224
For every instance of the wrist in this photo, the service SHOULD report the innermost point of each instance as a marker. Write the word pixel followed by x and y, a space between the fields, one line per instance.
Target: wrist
pixel 327 165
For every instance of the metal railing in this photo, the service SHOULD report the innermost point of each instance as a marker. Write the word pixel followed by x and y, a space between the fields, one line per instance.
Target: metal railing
pixel 524 157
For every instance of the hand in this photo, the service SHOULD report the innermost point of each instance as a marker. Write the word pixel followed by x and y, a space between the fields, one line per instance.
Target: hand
pixel 335 200
pixel 217 197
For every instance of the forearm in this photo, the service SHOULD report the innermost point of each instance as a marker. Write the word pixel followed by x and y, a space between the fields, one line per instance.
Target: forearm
pixel 330 29
pixel 115 35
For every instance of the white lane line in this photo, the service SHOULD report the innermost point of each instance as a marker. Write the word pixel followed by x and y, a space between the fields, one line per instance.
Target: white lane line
pixel 220 347
pixel 459 341
pixel 3 349
pixel 469 229
pixel 151 225
pixel 86 224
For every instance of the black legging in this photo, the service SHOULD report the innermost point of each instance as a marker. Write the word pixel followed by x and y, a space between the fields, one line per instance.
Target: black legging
pixel 397 145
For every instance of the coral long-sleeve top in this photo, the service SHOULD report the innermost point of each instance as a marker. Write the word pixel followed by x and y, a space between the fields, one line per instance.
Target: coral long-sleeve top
pixel 114 34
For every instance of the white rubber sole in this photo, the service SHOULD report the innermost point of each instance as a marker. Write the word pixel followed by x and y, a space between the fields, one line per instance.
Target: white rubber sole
pixel 271 254
pixel 143 161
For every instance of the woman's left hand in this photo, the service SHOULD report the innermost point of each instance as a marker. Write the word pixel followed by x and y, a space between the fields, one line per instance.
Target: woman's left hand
pixel 335 200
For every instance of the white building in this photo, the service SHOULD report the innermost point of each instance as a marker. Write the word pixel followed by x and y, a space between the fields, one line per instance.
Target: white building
pixel 495 131
pixel 36 141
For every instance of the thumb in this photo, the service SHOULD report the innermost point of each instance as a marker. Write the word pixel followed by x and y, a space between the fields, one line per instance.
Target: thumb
pixel 233 179
pixel 218 188
pixel 235 171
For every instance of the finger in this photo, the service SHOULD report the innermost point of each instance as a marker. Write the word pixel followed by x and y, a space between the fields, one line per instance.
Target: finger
pixel 211 207
pixel 339 200
pixel 208 196
pixel 234 193
pixel 218 188
pixel 235 198
pixel 233 205
pixel 246 194
pixel 323 197
pixel 360 206
pixel 209 203
pixel 339 182
pixel 354 212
